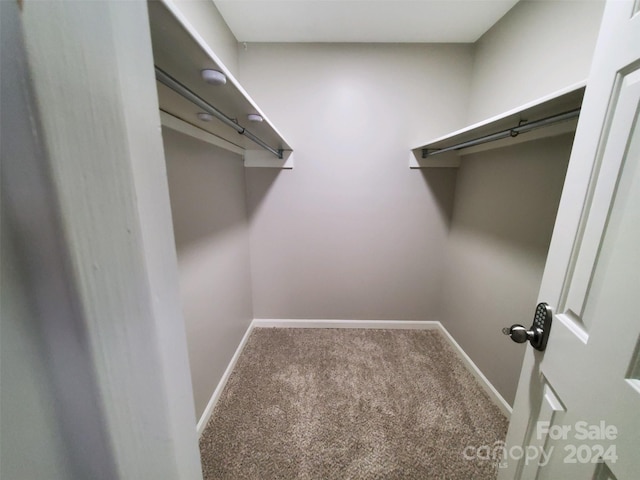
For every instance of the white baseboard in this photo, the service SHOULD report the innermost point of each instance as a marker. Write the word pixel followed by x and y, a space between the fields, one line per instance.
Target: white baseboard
pixel 386 324
pixel 488 387
pixel 206 415
pixel 494 395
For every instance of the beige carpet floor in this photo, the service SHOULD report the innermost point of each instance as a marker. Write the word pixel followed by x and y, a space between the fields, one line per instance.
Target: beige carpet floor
pixel 349 404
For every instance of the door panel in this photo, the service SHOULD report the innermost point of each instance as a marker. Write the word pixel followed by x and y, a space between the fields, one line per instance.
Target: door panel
pixel 622 117
pixel 578 402
pixel 535 456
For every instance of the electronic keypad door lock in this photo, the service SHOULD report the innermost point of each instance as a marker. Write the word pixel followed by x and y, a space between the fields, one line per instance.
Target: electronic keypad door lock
pixel 538 334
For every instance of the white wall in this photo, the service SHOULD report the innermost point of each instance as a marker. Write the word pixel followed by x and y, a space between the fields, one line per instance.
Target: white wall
pixel 501 223
pixel 207 190
pixel 505 208
pixel 351 232
pixel 537 48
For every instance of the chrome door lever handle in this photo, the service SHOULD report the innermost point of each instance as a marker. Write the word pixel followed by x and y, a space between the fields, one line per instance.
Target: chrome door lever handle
pixel 538 334
pixel 518 333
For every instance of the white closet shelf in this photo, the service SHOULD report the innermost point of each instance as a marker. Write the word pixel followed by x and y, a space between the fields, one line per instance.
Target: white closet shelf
pixel 562 105
pixel 181 52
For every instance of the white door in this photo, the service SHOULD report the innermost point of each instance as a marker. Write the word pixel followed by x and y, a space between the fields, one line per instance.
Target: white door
pixel 577 410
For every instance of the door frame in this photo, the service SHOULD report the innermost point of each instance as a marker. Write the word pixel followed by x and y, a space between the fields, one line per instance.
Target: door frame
pixel 86 190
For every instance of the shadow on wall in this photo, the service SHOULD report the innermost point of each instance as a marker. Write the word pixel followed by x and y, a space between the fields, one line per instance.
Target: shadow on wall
pixel 512 194
pixel 211 227
pixel 441 184
pixel 207 189
pixel 503 219
pixel 260 183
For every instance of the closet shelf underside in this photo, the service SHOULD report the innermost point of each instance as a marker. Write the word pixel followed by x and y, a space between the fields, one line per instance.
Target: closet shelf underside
pixel 179 50
pixel 566 100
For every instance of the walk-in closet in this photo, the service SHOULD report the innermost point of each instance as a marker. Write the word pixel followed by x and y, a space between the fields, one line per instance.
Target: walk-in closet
pixel 367 219
pixel 272 240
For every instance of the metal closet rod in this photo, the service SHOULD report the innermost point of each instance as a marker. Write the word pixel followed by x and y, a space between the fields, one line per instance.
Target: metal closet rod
pixel 511 132
pixel 179 88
